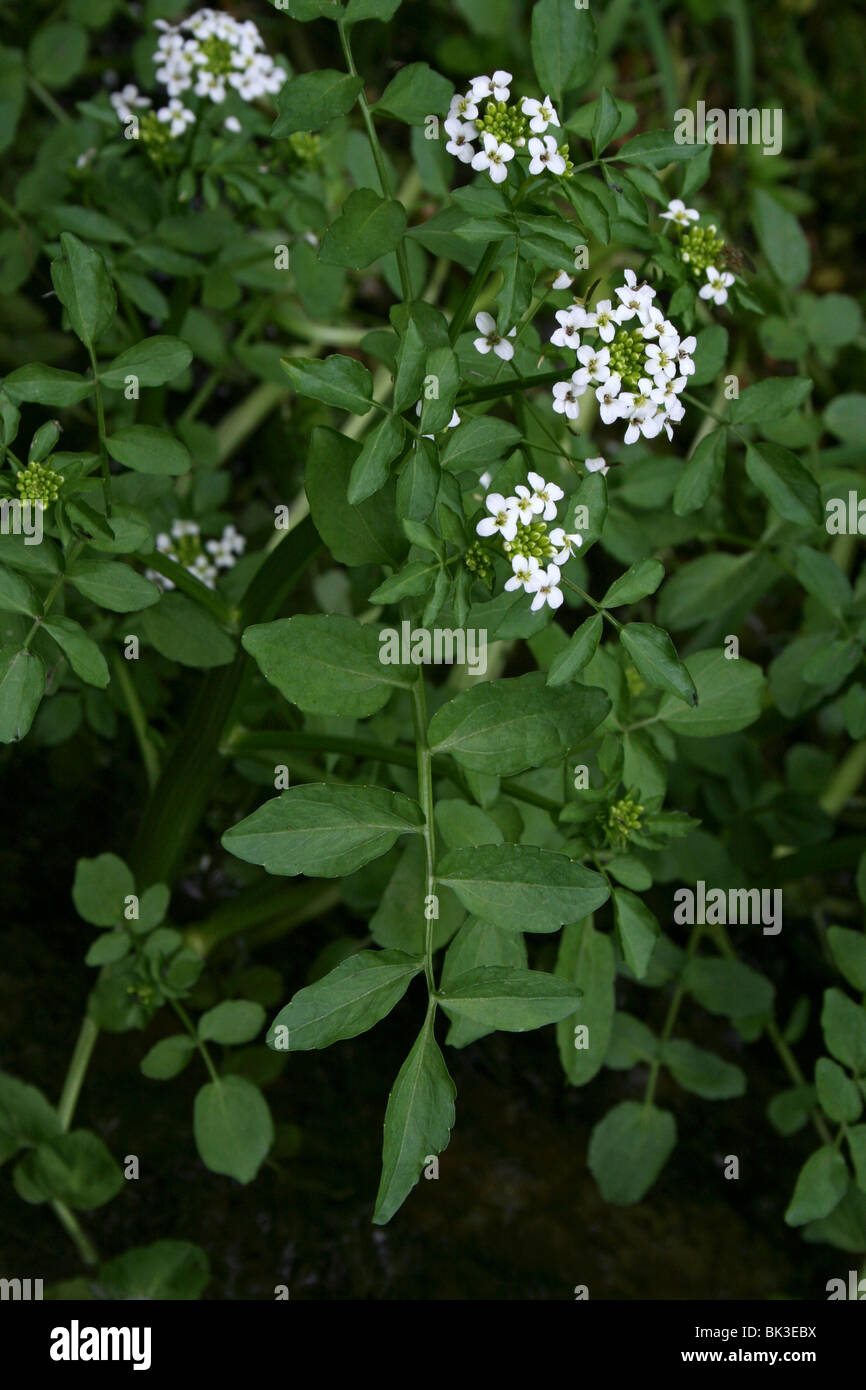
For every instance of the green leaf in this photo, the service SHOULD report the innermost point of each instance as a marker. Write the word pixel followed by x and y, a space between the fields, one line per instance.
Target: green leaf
pixel 637 929
pixel 442 370
pixel 46 385
pixel 181 630
pixel 505 727
pixel 730 696
pixel 655 657
pixel 22 685
pixel 367 228
pixel 17 596
pixel 233 1127
pixel 820 576
pixel 323 831
pixel 167 1058
pixel 592 214
pixel 586 959
pixel 641 579
pixel 821 1185
pixel 326 664
pixel 409 582
pixel 702 473
pixel 416 93
pixel 838 1096
pixel 154 361
pixel 85 289
pixel 581 648
pixel 113 585
pixel 149 450
pixel 477 944
pixel 339 381
pixel 849 954
pixel 99 889
pixel 418 483
pixel 508 998
pixel 368 533
pixel 844 1026
pixel 475 444
pixel 357 10
pixel 231 1022
pixel 358 994
pixel 771 399
pixel 606 122
pixel 25 1115
pixel 522 888
pixel 107 949
pixel 711 349
pixel 781 239
pixel 629 1148
pixel 74 1168
pixel 58 53
pixel 411 357
pixel 174 1270
pixel 564 46
pixel 846 417
pixel 312 99
pixel 371 468
pixel 418 1121
pixel 702 1072
pixel 728 987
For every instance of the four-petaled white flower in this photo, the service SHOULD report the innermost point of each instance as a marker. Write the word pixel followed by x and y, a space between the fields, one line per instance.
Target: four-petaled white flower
pixel 176 116
pixel 661 356
pixel 463 108
pixel 543 587
pixel 633 297
pixel 495 88
pixel 545 155
pixel 565 399
pixel 524 567
pixel 502 518
pixel 679 213
pixel 541 114
pixel 564 544
pixel 717 284
pixel 461 134
pixel 491 339
pixel 567 334
pixel 545 494
pixel 526 504
pixel 605 319
pixel 608 397
pixel 493 157
pixel 595 360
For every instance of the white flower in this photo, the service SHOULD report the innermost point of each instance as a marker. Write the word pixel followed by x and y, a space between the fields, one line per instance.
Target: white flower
pixel 596 465
pixel 493 157
pixel 605 319
pixel 526 505
pixel 608 397
pixel 684 355
pixel 564 544
pixel 543 585
pixel 716 287
pixel 633 296
pixel 679 213
pixel 565 399
pixel 661 357
pixel 176 116
pixel 547 494
pixel 567 335
pixel 496 88
pixel 461 133
pixel 652 321
pixel 524 567
pixel 595 360
pixel 544 155
pixel 126 100
pixel 541 113
pixel 486 325
pixel 641 412
pixel 462 108
pixel 563 281
pixel 503 517
pixel 232 124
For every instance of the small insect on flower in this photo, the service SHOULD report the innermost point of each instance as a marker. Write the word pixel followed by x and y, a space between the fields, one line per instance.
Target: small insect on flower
pixel 717 285
pixel 491 339
pixel 679 213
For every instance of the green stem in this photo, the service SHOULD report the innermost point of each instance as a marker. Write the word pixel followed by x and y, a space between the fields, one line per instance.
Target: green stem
pixel 425 797
pixel 76 1071
pixel 137 718
pixel 100 423
pixel 48 601
pixel 599 608
pixel 196 588
pixel 671 1016
pixel 47 99
pixel 846 780
pixel 82 1242
pixel 193 1032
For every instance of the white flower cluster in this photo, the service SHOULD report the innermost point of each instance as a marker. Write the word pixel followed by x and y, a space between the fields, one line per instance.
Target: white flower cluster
pixel 637 372
pixel 184 545
pixel 698 247
pixel 211 51
pixel 521 523
pixel 502 129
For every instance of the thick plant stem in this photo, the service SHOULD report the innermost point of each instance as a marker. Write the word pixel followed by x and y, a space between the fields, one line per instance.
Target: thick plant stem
pixel 76 1071
pixel 137 719
pixel 425 797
